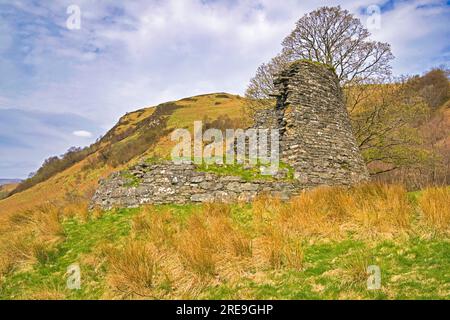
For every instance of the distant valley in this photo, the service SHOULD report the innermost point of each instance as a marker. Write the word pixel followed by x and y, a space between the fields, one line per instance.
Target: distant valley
pixel 9 181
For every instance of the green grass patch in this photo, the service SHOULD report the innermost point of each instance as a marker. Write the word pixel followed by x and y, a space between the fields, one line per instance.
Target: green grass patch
pixel 81 239
pixel 246 172
pixel 131 180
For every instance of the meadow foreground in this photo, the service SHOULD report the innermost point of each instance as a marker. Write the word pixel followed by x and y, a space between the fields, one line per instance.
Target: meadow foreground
pixel 317 246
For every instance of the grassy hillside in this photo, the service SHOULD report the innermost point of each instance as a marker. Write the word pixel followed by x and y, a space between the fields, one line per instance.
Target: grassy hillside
pixel 142 133
pixel 6 189
pixel 317 246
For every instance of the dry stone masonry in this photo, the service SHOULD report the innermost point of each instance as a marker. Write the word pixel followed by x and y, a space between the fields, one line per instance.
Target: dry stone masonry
pixel 316 141
pixel 316 134
pixel 170 183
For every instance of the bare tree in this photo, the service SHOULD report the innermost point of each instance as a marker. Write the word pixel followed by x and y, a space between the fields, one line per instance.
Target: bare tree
pixel 261 86
pixel 332 36
pixel 387 114
pixel 386 123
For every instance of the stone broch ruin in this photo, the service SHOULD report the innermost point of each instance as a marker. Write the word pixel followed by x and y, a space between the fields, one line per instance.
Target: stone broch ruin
pixel 316 141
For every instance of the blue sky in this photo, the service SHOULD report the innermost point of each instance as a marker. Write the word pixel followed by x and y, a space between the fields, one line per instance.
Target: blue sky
pixel 62 88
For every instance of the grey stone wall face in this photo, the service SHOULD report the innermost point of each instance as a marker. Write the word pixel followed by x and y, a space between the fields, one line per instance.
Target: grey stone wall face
pixel 316 140
pixel 315 129
pixel 166 183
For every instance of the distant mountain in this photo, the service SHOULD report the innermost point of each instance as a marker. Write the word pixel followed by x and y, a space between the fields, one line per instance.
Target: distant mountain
pixel 9 181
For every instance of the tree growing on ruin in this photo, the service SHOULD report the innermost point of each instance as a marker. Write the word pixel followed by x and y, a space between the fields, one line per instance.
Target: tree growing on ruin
pixel 385 112
pixel 329 35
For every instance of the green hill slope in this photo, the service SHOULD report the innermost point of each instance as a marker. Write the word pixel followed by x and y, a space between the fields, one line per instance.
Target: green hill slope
pixel 138 134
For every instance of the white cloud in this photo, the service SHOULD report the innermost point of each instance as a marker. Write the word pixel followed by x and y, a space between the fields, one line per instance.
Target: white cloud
pixel 418 33
pixel 82 134
pixel 132 54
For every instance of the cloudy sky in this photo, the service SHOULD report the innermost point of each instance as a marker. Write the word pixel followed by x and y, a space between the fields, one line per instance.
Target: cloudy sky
pixel 62 87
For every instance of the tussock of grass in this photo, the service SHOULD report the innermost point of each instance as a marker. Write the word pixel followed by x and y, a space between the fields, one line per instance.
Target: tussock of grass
pixel 381 209
pixel 196 247
pixel 355 269
pixel 155 226
pixel 32 238
pixel 274 250
pixel 135 269
pixel 435 206
pixel 210 237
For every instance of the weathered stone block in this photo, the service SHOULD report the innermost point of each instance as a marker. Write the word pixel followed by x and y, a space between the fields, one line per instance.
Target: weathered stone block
pixel 202 197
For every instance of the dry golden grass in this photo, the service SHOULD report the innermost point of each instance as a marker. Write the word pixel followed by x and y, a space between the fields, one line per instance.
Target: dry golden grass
pixel 79 210
pixel 8 187
pixel 276 250
pixel 332 212
pixel 157 227
pixel 265 206
pixel 197 248
pixel 205 105
pixel 435 206
pixel 210 247
pixel 316 212
pixel 135 269
pixel 26 247
pixel 141 224
pixel 47 223
pixel 355 270
pixel 210 238
pixel 32 236
pixel 55 189
pixel 166 256
pixel 15 251
pixel 179 259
